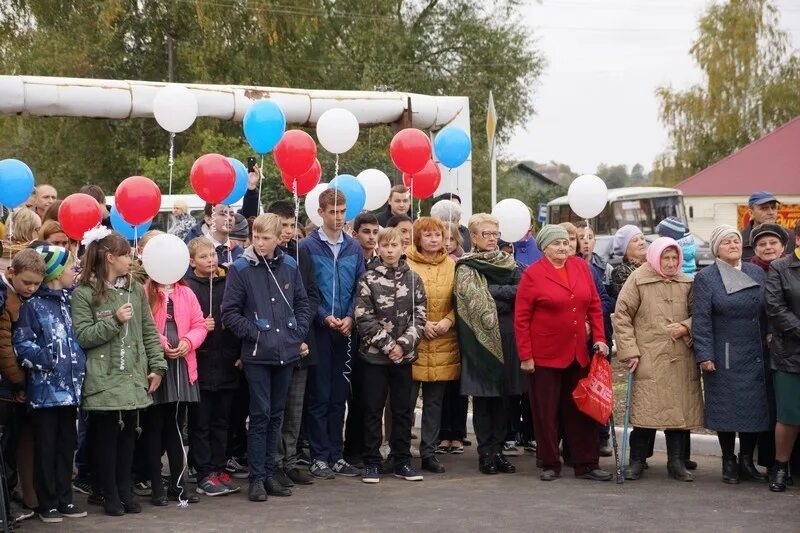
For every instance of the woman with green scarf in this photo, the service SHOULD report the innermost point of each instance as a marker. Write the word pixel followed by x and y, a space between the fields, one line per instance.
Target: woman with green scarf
pixel 485 290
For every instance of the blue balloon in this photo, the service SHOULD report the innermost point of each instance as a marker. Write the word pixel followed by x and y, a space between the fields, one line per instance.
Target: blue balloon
pixel 240 185
pixel 16 183
pixel 354 193
pixel 452 146
pixel 125 229
pixel 264 124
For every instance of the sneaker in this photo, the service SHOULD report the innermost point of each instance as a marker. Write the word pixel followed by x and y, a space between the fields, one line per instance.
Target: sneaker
pixel 51 516
pixel 283 480
pixel 257 492
pixel 82 485
pixel 343 468
pixel 407 472
pixel 72 511
pixel 320 469
pixel 225 479
pixel 95 499
pixel 236 469
pixel 303 459
pixel 19 513
pixel 299 477
pixel 371 474
pixel 142 488
pixel 530 446
pixel 510 448
pixel 211 486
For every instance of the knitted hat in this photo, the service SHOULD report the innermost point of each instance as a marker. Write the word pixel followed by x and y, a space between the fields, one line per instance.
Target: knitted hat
pixel 623 237
pixel 241 229
pixel 55 260
pixel 719 234
pixel 671 227
pixel 769 229
pixel 550 233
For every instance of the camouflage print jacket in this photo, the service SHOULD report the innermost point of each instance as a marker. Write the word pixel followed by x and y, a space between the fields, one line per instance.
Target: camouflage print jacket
pixel 391 309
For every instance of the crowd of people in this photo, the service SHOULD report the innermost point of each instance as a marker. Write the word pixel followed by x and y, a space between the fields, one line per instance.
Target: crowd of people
pixel 290 355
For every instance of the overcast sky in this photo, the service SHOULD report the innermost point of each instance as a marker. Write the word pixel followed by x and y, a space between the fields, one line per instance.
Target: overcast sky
pixel 596 102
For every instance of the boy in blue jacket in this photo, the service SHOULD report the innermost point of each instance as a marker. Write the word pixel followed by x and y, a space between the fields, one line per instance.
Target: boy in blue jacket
pixel 338 262
pixel 266 306
pixel 45 344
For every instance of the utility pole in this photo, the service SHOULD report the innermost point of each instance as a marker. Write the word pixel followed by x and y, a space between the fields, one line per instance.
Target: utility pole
pixel 170 57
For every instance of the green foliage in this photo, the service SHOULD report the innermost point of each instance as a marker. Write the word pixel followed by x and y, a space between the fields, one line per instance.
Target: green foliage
pixel 750 86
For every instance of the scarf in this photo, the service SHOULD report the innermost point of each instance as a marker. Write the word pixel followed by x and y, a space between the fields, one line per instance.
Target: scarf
pixel 476 311
pixel 760 263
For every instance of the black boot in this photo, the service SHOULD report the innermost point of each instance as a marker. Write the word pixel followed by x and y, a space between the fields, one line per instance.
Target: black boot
pixel 676 457
pixel 730 470
pixel 486 464
pixel 634 471
pixel 748 471
pixel 639 447
pixel 780 471
pixel 503 465
pixel 687 442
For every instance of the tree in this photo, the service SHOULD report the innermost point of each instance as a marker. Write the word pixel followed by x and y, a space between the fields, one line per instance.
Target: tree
pixel 638 175
pixel 614 175
pixel 750 86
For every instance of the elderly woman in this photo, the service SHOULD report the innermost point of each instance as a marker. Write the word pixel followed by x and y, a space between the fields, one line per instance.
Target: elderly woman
pixel 629 242
pixel 783 308
pixel 485 289
pixel 182 221
pixel 652 324
pixel 728 340
pixel 555 301
pixel 438 362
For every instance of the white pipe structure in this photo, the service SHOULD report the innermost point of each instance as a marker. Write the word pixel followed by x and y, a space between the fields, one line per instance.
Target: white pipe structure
pixel 122 99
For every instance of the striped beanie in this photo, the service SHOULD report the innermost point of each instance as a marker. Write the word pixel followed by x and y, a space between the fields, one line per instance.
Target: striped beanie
pixel 671 227
pixel 55 260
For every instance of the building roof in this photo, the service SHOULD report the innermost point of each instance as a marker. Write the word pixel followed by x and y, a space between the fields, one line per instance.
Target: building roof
pixel 771 163
pixel 529 168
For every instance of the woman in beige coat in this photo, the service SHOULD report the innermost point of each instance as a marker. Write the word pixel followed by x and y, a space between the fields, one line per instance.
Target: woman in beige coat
pixel 652 326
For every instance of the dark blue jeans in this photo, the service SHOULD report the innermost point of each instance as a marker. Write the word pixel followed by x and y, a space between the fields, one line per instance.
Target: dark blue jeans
pixel 81 457
pixel 269 387
pixel 328 394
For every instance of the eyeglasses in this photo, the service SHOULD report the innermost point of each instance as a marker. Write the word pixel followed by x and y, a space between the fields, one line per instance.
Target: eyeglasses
pixel 490 234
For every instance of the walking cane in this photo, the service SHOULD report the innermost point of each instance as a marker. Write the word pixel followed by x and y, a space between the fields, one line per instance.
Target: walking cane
pixel 620 476
pixel 626 420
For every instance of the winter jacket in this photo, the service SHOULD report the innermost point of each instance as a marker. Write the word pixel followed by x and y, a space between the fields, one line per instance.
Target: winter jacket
pixel 689 249
pixel 272 321
pixel 666 385
pixel 45 343
pixel 312 291
pixel 189 320
pixel 12 376
pixel 390 311
pixel 336 279
pixel 217 356
pixel 182 225
pixel 526 251
pixel 783 309
pixel 438 359
pixel 726 330
pixel 119 356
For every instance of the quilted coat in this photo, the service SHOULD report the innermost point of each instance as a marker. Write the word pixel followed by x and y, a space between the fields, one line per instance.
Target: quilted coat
pixel 438 359
pixel 666 385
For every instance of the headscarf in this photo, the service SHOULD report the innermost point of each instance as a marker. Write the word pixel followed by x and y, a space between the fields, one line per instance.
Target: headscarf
pixel 656 250
pixel 550 233
pixel 623 237
pixel 719 234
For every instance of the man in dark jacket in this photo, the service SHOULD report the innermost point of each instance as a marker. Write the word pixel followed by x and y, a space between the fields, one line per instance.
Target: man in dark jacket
pixel 399 203
pixel 763 207
pixel 218 222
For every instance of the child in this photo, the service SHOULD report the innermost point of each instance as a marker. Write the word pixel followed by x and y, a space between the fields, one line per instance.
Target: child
pixel 46 346
pixel 266 306
pixel 390 316
pixel 124 361
pixel 218 375
pixel 21 280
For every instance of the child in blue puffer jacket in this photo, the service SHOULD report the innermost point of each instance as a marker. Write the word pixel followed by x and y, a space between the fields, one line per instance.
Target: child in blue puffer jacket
pixel 675 228
pixel 45 344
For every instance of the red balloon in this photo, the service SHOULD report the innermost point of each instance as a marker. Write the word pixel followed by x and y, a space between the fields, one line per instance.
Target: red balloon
pixel 410 150
pixel 138 200
pixel 306 181
pixel 295 153
pixel 77 214
pixel 212 177
pixel 423 184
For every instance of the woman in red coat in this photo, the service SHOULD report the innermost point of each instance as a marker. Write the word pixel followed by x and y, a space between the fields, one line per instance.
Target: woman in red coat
pixel 556 306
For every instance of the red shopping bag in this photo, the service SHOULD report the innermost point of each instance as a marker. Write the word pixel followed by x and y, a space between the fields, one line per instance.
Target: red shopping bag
pixel 594 395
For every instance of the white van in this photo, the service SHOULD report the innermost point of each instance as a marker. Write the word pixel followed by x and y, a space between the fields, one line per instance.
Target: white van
pixel 193 202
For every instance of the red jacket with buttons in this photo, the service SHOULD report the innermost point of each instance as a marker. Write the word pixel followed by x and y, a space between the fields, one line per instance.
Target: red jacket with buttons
pixel 550 317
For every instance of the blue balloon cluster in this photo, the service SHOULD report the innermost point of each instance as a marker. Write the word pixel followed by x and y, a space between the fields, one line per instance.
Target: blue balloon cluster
pixel 16 183
pixel 264 124
pixel 452 146
pixel 126 230
pixel 354 193
pixel 240 185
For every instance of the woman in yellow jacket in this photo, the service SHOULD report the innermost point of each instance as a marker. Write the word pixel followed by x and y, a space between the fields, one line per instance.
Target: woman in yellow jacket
pixel 438 361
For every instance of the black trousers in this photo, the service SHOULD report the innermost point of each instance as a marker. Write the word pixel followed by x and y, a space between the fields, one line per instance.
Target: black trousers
pixel 641 441
pixel 55 435
pixel 11 414
pixel 162 432
pixel 112 435
pixel 454 413
pixel 727 442
pixel 490 420
pixel 395 380
pixel 237 423
pixel 208 431
pixel 354 424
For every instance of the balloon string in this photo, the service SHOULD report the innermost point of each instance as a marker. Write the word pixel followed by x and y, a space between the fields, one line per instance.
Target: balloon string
pixel 127 324
pixel 296 221
pixel 260 181
pixel 171 159
pixel 10 224
pixel 336 166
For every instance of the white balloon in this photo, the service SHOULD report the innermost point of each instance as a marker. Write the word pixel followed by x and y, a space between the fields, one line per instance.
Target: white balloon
pixel 312 204
pixel 175 108
pixel 165 258
pixel 588 196
pixel 377 186
pixel 515 219
pixel 337 130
